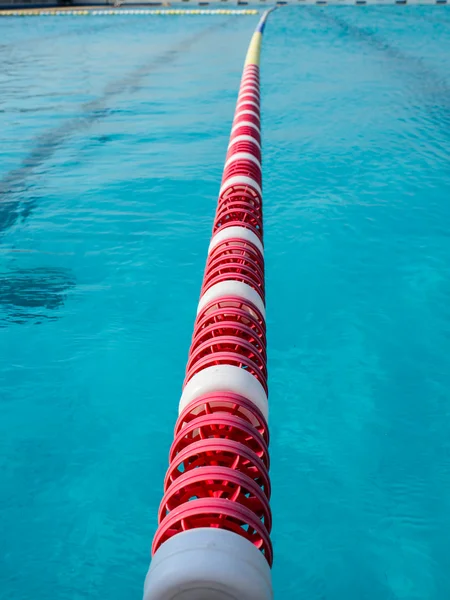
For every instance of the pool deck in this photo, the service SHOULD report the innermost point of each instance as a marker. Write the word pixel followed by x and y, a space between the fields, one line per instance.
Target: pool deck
pixel 122 9
pixel 238 7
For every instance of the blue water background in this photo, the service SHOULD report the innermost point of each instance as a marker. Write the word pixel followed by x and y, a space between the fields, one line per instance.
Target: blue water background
pixel 113 132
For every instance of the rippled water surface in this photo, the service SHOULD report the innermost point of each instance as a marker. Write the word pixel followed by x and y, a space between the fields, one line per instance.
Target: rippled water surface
pixel 113 133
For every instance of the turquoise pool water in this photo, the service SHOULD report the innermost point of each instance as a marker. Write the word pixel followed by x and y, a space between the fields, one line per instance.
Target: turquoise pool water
pixel 113 133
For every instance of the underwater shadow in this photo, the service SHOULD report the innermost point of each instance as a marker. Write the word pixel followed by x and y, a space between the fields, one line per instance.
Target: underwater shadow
pixel 33 294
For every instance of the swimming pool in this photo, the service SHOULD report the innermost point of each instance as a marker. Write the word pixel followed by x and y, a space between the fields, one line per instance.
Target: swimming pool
pixel 114 133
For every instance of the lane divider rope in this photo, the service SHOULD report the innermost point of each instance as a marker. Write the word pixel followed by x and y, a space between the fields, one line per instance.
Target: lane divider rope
pixel 213 537
pixel 121 12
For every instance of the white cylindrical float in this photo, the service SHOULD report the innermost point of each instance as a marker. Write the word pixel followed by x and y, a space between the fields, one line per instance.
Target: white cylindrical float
pixel 208 564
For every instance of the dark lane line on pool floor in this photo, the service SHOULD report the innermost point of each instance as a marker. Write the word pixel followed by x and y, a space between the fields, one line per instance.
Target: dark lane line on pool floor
pixel 434 90
pixel 31 295
pixel 14 183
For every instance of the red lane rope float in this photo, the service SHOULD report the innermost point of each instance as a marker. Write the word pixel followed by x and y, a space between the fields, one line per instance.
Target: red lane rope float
pixel 224 402
pixel 217 482
pixel 241 196
pixel 234 261
pixel 248 105
pixel 250 78
pixel 250 75
pixel 238 188
pixel 243 167
pixel 223 426
pixel 228 328
pixel 249 100
pixel 234 265
pixel 215 512
pixel 246 128
pixel 219 459
pixel 243 159
pixel 242 162
pixel 237 346
pixel 223 453
pixel 247 116
pixel 244 146
pixel 251 111
pixel 237 259
pixel 251 69
pixel 232 271
pixel 238 214
pixel 249 88
pixel 235 156
pixel 249 82
pixel 232 323
pixel 244 143
pixel 236 275
pixel 248 96
pixel 223 333
pixel 242 206
pixel 229 307
pixel 238 247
